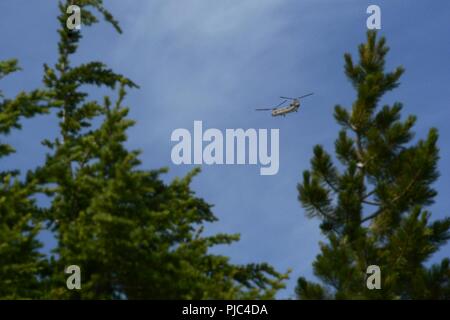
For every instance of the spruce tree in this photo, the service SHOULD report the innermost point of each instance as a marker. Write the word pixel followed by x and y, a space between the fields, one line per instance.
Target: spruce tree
pixel 132 235
pixel 20 260
pixel 372 205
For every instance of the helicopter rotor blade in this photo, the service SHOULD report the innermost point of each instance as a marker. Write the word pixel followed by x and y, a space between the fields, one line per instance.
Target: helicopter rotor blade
pixel 267 109
pixel 280 104
pixel 306 95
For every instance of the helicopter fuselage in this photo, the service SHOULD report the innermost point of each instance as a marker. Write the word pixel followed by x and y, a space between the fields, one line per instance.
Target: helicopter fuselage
pixel 293 106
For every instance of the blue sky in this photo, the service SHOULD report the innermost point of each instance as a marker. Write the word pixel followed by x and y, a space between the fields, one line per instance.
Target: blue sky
pixel 217 61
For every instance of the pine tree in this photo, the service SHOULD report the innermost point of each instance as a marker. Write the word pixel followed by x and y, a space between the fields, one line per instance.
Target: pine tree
pixel 20 260
pixel 373 204
pixel 132 235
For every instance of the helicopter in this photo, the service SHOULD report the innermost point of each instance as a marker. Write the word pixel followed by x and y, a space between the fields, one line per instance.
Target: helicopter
pixel 293 106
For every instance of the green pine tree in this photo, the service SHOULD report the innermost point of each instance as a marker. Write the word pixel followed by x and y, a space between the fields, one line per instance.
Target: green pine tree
pixel 20 261
pixel 132 235
pixel 372 205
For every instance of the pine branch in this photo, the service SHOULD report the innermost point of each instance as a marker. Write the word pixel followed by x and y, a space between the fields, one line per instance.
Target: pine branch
pixel 396 198
pixel 369 194
pixel 372 203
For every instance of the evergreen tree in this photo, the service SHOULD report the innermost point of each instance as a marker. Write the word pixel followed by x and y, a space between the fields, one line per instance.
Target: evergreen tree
pixel 20 260
pixel 372 205
pixel 132 235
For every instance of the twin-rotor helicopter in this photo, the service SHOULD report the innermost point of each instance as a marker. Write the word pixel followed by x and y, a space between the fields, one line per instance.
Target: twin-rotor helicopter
pixel 283 111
